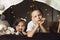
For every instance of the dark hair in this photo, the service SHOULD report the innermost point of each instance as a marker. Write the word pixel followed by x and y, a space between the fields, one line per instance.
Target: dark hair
pixel 17 22
pixel 34 10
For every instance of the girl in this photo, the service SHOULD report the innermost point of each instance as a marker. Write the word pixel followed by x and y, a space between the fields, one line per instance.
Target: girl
pixel 20 26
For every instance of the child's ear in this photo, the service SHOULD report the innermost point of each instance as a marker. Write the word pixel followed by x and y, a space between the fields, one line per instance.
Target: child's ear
pixel 16 28
pixel 31 17
pixel 44 18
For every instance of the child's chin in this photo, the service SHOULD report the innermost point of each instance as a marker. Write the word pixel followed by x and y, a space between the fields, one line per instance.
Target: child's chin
pixel 38 21
pixel 20 30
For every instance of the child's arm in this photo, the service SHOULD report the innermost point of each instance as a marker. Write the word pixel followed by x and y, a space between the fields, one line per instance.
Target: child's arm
pixel 43 29
pixel 58 26
pixel 41 26
pixel 32 32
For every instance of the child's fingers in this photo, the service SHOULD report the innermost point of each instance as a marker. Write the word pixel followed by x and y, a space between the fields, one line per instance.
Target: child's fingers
pixel 43 18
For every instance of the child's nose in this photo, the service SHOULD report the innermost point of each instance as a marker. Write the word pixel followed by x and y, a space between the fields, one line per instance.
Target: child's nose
pixel 20 27
pixel 38 17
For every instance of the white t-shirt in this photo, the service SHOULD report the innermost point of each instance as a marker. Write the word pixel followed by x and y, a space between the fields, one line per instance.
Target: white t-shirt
pixel 31 26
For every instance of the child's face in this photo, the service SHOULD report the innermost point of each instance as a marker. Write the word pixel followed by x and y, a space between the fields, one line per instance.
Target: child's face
pixel 20 27
pixel 36 16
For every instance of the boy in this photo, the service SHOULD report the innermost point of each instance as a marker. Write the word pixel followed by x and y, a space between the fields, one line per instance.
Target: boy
pixel 36 23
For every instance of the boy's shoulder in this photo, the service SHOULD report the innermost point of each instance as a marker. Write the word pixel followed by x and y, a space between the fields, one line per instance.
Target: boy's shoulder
pixel 31 22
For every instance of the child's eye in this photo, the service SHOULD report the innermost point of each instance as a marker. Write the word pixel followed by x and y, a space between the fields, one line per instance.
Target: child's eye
pixel 18 25
pixel 39 15
pixel 23 25
pixel 35 16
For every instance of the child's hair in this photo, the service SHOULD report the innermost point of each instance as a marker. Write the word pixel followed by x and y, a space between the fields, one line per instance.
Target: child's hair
pixel 30 12
pixel 19 20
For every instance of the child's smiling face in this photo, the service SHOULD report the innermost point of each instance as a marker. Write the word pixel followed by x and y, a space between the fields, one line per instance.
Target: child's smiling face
pixel 20 27
pixel 36 15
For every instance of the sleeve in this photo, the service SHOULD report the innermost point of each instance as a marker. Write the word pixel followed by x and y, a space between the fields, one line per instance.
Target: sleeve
pixel 29 27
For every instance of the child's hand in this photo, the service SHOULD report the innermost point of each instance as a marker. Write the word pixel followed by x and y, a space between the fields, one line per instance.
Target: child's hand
pixel 42 21
pixel 24 33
